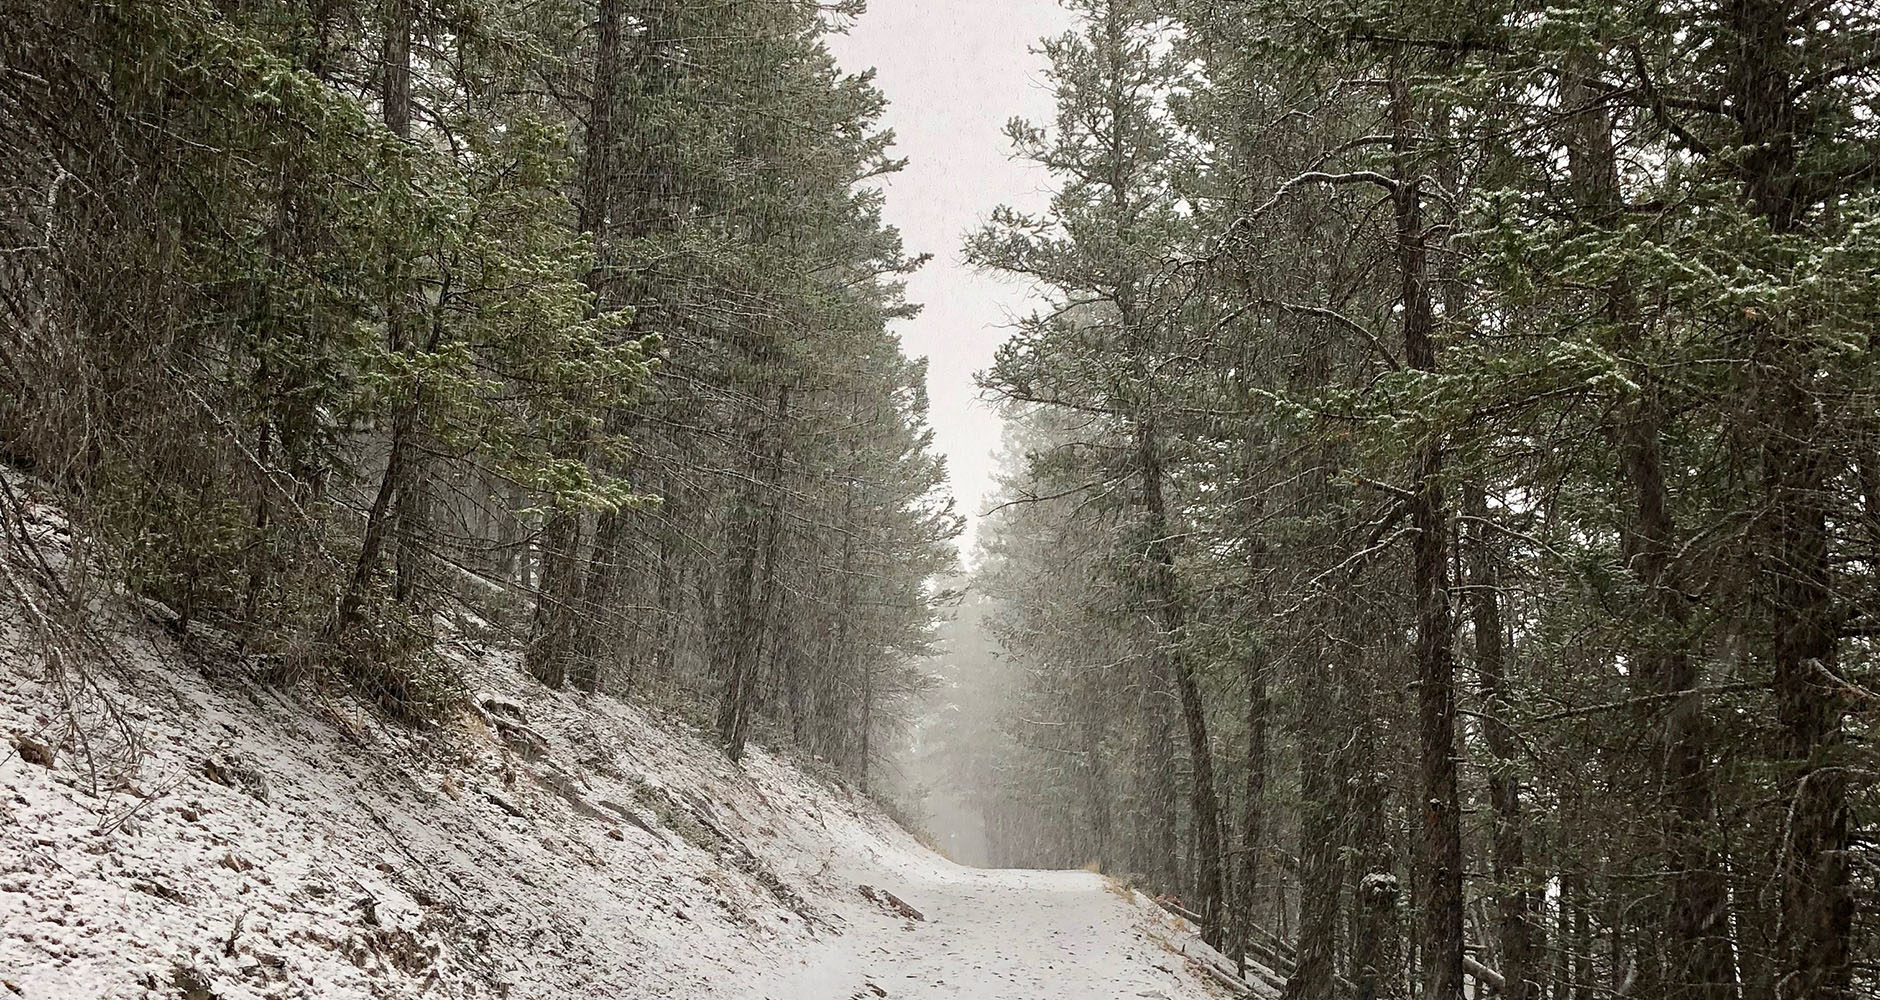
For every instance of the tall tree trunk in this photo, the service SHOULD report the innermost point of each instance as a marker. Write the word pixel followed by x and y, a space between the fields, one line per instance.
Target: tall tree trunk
pixel 1321 847
pixel 1440 850
pixel 1563 940
pixel 1252 809
pixel 556 600
pixel 754 584
pixel 738 633
pixel 412 493
pixel 1164 591
pixel 415 528
pixel 395 67
pixel 1156 841
pixel 378 524
pixel 1815 926
pixel 601 587
pixel 1817 909
pixel 1375 954
pixel 837 660
pixel 1161 585
pixel 866 725
pixel 1245 881
pixel 396 480
pixel 1097 793
pixel 599 632
pixel 1693 952
pixel 597 167
pixel 559 650
pixel 1516 902
pixel 1583 985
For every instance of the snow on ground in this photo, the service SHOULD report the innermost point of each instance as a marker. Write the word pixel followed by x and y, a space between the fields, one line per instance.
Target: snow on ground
pixel 543 845
pixel 998 934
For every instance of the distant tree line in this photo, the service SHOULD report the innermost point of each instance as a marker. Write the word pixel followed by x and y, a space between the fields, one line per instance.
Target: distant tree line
pixel 1442 529
pixel 339 322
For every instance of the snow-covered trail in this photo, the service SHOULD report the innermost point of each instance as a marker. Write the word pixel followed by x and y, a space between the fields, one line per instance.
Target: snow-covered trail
pixel 998 934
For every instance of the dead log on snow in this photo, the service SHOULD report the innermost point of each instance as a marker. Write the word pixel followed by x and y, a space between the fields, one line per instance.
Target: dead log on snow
pixel 890 902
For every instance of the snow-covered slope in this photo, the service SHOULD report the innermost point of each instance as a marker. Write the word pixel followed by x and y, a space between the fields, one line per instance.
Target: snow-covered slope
pixel 542 845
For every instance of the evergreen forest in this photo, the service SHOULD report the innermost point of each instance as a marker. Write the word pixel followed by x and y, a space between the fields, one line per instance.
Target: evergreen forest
pixel 1436 547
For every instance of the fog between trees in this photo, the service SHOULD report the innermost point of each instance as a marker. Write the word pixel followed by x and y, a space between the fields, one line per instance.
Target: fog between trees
pixel 1439 521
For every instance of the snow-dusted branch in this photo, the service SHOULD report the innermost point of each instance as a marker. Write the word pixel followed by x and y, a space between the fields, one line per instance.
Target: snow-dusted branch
pixel 1340 319
pixel 1384 181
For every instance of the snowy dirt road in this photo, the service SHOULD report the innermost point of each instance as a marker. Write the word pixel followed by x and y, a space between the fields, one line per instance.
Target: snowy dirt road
pixel 998 934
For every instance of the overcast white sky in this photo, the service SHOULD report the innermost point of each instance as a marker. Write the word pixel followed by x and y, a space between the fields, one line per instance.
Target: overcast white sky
pixel 955 71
